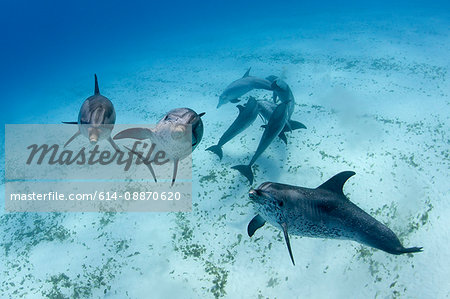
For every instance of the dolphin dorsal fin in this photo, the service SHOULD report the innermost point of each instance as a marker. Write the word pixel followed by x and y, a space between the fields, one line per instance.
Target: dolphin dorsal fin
pixel 247 73
pixel 96 90
pixel 336 183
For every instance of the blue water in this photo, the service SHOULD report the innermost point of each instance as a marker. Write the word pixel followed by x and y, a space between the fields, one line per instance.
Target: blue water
pixel 370 81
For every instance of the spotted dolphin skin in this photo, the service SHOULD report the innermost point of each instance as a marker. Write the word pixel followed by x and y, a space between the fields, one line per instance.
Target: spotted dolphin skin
pixel 241 86
pixel 96 119
pixel 247 115
pixel 323 212
pixel 170 135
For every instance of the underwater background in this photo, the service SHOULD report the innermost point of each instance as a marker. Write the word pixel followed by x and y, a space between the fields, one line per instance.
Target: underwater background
pixel 371 84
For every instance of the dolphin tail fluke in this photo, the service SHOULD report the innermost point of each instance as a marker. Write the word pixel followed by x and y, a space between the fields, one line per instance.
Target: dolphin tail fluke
pixel 283 137
pixel 72 138
pixel 245 170
pixel 410 250
pixel 295 125
pixel 96 90
pixel 216 149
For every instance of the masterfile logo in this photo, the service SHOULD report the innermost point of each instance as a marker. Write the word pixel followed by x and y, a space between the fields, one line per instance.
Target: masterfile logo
pixel 43 175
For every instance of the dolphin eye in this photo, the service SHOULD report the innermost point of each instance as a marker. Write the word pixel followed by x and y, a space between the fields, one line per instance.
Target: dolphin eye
pixel 280 203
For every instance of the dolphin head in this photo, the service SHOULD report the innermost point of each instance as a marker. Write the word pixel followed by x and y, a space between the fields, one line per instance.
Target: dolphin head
pixel 269 206
pixel 181 119
pixel 223 99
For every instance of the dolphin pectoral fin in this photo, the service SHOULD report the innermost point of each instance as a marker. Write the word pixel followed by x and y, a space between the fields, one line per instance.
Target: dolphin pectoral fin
pixel 295 125
pixel 247 73
pixel 175 169
pixel 201 114
pixel 216 149
pixel 113 144
pixel 288 243
pixel 256 223
pixel 245 170
pixel 234 101
pixel 336 183
pixel 283 137
pixel 149 165
pixel 134 133
pixel 70 122
pixel 72 138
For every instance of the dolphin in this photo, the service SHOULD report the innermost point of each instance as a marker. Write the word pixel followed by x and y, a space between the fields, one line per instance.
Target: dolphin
pixel 96 119
pixel 323 212
pixel 284 93
pixel 241 86
pixel 170 135
pixel 273 128
pixel 247 115
pixel 266 109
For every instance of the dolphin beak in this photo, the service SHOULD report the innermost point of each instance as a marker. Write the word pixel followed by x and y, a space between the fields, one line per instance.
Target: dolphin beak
pixel 253 194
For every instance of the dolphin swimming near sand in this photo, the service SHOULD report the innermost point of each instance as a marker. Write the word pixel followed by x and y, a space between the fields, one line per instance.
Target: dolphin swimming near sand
pixel 241 86
pixel 273 128
pixel 96 119
pixel 266 109
pixel 323 212
pixel 247 115
pixel 170 135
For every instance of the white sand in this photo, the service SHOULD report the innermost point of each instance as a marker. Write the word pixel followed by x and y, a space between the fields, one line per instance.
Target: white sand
pixel 375 99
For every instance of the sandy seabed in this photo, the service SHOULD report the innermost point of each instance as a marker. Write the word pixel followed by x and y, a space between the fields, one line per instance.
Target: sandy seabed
pixel 375 100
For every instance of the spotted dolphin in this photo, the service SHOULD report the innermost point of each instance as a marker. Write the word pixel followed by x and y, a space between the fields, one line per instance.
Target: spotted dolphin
pixel 96 119
pixel 323 212
pixel 170 135
pixel 273 128
pixel 247 115
pixel 241 86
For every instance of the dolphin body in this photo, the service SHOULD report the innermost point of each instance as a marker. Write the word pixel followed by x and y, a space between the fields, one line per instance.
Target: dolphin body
pixel 96 119
pixel 247 115
pixel 170 135
pixel 323 212
pixel 241 86
pixel 266 109
pixel 273 128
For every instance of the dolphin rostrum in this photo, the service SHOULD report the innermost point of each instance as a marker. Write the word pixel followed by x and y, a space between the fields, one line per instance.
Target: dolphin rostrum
pixel 323 212
pixel 241 86
pixel 170 135
pixel 247 115
pixel 96 119
pixel 273 128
